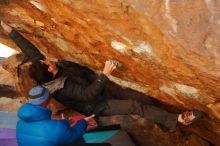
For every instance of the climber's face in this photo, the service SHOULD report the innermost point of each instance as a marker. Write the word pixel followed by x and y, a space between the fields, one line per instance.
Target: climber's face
pixel 52 68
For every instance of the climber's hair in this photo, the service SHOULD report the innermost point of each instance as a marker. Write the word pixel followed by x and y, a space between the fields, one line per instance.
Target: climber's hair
pixel 39 72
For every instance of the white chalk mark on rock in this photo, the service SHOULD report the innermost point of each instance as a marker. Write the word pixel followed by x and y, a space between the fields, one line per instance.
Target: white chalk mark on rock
pixel 144 48
pixel 119 46
pixel 37 4
pixel 171 92
pixel 169 16
pixel 39 23
pixel 62 44
pixel 187 90
pixel 209 3
pixel 22 15
pixel 132 85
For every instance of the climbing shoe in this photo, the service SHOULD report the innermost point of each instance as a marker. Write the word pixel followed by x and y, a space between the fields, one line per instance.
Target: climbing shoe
pixel 189 117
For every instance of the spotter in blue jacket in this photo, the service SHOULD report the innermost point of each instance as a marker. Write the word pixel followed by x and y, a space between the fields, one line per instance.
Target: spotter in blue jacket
pixel 35 128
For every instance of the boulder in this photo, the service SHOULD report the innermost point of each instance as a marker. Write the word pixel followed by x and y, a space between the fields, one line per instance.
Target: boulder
pixel 19 73
pixel 6 77
pixel 168 49
pixel 9 104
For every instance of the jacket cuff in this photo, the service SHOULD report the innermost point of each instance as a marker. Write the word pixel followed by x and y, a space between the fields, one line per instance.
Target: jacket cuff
pixel 84 123
pixel 102 78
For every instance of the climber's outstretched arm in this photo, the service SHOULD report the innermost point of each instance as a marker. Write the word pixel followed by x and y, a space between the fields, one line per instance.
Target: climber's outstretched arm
pixel 26 47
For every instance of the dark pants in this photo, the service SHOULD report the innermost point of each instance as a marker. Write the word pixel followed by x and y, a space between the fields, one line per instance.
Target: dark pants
pixel 114 91
pixel 149 112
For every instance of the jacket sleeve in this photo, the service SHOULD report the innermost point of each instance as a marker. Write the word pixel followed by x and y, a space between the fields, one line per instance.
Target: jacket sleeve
pixel 77 70
pixel 26 47
pixel 72 134
pixel 88 93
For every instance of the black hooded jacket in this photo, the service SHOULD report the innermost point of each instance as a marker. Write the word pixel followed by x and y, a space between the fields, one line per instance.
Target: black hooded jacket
pixel 80 91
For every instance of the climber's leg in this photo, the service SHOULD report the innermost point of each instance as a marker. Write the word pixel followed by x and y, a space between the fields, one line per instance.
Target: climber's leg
pixel 125 107
pixel 149 112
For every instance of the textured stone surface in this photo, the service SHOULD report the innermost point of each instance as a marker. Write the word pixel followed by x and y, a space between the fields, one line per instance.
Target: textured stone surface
pixel 20 75
pixel 147 134
pixel 8 91
pixel 169 49
pixel 9 104
pixel 6 77
pixel 6 41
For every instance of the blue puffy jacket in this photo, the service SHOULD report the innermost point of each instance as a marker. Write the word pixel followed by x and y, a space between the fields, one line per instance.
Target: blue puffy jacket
pixel 35 128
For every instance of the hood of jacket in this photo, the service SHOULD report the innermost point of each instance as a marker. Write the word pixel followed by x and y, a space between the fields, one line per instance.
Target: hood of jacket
pixel 32 113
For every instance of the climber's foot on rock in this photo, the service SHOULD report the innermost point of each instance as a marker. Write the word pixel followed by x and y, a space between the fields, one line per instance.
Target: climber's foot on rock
pixel 189 117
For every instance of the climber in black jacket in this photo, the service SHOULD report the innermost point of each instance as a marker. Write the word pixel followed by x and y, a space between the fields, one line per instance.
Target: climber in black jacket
pixel 74 86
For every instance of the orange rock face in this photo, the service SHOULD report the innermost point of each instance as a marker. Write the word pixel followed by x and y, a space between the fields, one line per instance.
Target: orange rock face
pixel 19 75
pixel 169 50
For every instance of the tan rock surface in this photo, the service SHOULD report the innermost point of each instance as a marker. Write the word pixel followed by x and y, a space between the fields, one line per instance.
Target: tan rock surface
pixel 169 49
pixel 9 104
pixel 5 77
pixel 147 134
pixel 22 82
